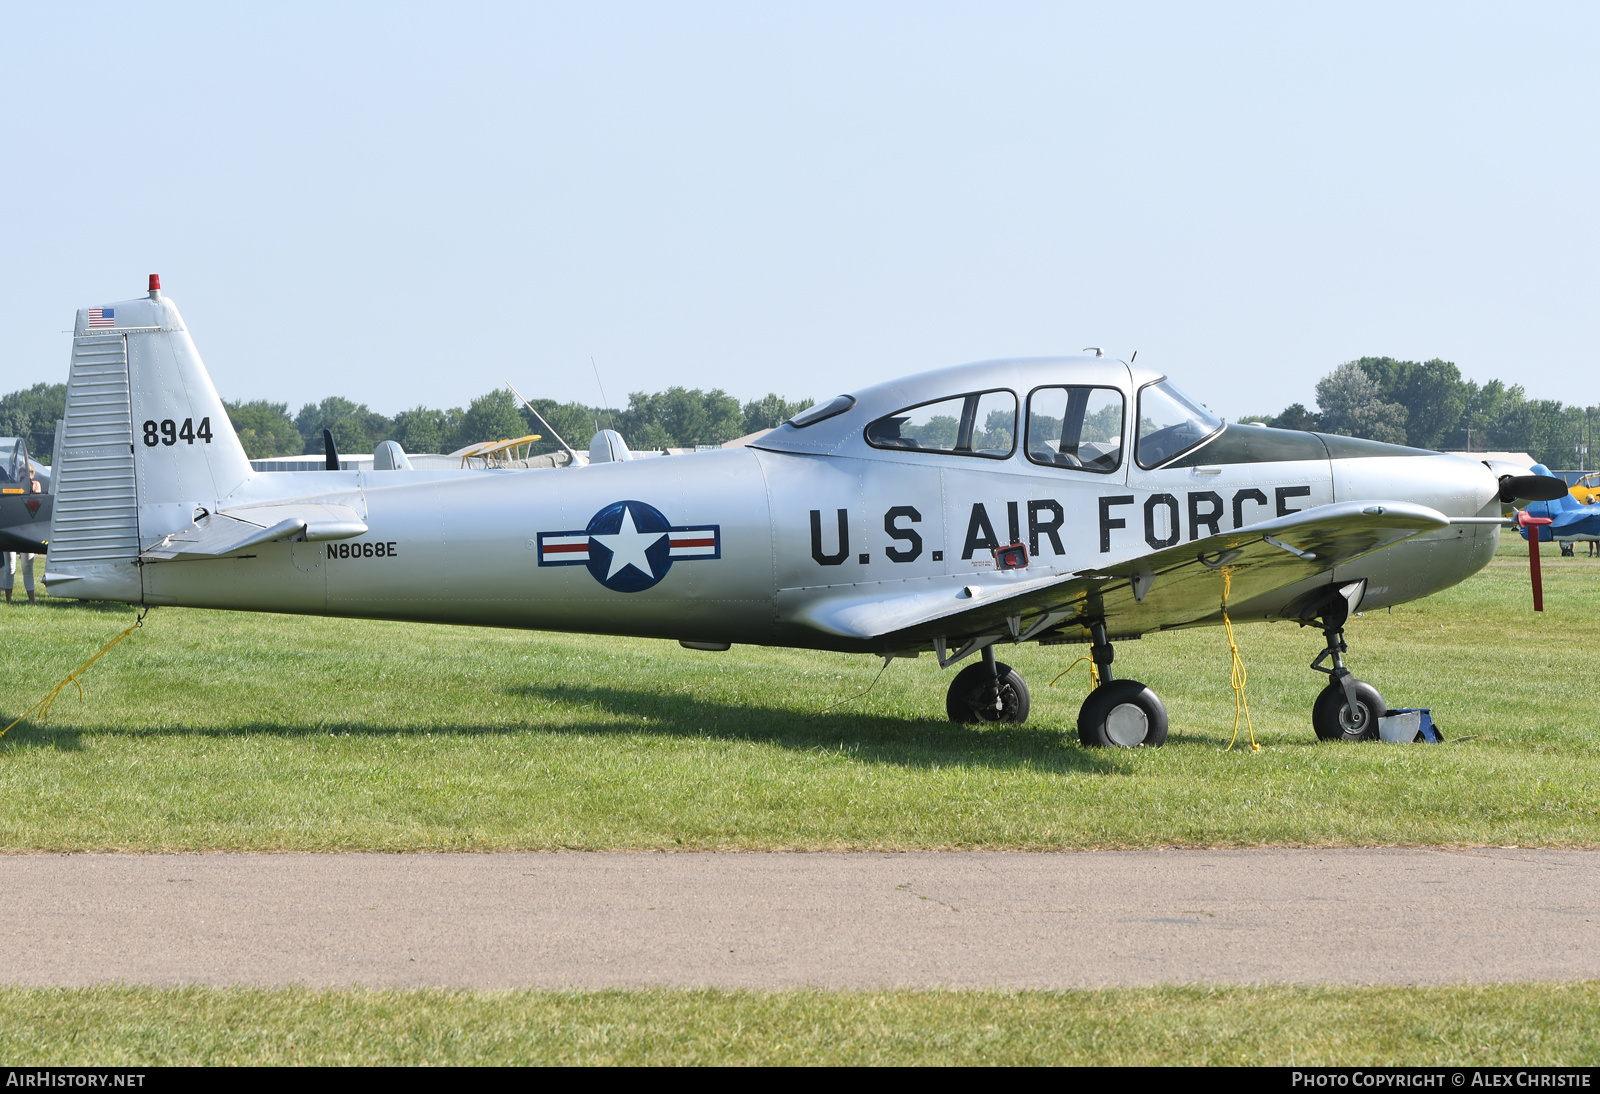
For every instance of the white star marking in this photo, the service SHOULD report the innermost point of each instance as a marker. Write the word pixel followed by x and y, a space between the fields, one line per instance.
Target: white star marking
pixel 628 546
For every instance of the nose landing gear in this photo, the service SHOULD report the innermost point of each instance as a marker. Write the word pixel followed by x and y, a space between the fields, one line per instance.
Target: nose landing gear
pixel 1121 713
pixel 1347 709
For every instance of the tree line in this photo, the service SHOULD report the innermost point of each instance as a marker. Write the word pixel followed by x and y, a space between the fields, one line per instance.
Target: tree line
pixel 1422 404
pixel 675 418
pixel 1427 404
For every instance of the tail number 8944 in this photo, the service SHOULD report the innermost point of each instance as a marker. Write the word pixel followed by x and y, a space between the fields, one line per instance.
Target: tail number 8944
pixel 169 432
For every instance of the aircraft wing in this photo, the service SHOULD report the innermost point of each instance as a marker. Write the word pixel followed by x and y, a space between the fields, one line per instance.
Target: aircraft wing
pixel 1175 586
pixel 226 531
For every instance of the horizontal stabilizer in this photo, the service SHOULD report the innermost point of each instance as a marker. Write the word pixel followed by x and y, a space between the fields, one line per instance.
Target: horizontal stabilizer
pixel 218 534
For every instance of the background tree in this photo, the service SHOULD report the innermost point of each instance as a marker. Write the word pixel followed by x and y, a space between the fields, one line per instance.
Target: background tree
pixel 265 429
pixel 355 426
pixel 1295 416
pixel 771 411
pixel 1432 392
pixel 424 429
pixel 684 417
pixel 32 414
pixel 492 417
pixel 1350 405
pixel 575 422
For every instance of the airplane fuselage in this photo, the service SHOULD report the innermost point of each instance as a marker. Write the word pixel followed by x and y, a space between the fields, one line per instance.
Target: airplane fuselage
pixel 768 531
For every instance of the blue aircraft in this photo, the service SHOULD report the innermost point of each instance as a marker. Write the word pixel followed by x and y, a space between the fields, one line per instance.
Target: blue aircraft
pixel 1570 519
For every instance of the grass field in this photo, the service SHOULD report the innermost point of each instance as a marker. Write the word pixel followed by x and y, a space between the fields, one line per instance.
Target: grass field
pixel 225 730
pixel 239 731
pixel 1519 1024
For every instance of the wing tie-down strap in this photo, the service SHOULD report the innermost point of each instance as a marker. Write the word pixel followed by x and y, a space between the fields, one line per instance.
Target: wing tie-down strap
pixel 1240 703
pixel 43 705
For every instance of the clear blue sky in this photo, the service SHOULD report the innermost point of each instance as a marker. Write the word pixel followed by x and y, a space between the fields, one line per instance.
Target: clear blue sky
pixel 407 204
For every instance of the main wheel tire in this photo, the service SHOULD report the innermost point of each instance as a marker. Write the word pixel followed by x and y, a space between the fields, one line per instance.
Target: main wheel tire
pixel 1333 719
pixel 1122 714
pixel 968 700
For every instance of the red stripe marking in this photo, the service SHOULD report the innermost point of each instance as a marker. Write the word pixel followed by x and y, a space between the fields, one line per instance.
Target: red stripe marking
pixel 564 548
pixel 694 543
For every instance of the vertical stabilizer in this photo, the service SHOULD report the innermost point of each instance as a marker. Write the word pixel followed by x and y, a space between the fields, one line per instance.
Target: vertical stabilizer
pixel 146 446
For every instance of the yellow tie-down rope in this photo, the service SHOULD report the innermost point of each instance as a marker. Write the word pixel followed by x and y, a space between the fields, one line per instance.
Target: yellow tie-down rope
pixel 43 705
pixel 1240 703
pixel 1094 672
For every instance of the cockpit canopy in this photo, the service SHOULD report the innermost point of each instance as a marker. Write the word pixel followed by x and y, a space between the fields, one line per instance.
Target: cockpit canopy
pixel 1069 413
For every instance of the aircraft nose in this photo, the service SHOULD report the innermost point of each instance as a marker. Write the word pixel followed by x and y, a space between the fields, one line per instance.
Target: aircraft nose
pixel 1454 485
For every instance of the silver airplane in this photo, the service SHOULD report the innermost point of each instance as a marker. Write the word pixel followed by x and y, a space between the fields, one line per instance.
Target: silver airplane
pixel 1061 500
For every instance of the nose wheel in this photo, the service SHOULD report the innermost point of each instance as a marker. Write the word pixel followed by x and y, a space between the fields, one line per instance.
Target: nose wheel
pixel 1336 716
pixel 1347 709
pixel 989 692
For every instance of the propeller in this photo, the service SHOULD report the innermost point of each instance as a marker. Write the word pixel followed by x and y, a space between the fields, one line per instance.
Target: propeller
pixel 1531 525
pixel 1531 488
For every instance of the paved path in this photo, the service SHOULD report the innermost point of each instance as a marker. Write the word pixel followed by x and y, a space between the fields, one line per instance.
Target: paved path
pixel 777 920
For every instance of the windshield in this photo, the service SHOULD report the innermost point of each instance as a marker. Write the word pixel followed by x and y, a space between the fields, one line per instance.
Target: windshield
pixel 1170 423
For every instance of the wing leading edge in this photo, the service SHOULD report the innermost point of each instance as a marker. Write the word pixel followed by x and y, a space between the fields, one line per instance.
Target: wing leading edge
pixel 1176 586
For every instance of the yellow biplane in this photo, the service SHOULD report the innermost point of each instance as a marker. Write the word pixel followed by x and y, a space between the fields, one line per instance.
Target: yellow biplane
pixel 1587 489
pixel 487 454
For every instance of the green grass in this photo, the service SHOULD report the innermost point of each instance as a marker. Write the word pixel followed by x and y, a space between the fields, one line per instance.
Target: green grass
pixel 1543 1024
pixel 238 731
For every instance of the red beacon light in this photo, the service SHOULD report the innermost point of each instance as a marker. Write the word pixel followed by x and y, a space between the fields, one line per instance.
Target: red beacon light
pixel 155 286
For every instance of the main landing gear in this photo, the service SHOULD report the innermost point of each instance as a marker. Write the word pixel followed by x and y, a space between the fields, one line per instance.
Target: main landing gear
pixel 1347 709
pixel 988 691
pixel 1124 713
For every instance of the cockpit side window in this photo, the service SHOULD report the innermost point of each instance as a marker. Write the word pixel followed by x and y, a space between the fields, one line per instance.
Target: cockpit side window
pixel 13 460
pixel 983 423
pixel 1076 427
pixel 1170 423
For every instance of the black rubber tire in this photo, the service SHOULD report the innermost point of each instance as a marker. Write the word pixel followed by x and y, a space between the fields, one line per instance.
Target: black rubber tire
pixel 1110 717
pixel 967 701
pixel 1332 719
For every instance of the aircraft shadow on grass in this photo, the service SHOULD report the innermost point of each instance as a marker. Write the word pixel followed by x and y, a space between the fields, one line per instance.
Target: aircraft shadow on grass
pixel 872 738
pixel 869 738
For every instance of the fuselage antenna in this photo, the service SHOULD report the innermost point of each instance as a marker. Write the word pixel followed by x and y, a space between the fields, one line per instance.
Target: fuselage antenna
pixel 540 418
pixel 605 404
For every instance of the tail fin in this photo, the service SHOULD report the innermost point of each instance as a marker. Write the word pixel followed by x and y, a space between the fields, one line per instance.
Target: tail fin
pixel 146 443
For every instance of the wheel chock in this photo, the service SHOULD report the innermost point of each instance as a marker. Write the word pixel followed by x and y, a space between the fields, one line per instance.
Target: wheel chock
pixel 1410 726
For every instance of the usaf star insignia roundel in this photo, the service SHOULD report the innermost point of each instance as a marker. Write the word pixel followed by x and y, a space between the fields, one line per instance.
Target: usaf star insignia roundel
pixel 629 546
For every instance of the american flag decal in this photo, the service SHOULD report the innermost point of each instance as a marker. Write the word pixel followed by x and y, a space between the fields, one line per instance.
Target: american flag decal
pixel 102 317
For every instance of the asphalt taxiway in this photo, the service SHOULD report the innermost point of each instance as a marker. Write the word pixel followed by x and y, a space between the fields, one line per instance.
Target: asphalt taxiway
pixel 854 920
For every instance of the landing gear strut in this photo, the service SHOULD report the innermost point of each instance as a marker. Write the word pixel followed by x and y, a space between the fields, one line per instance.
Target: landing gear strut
pixel 1347 709
pixel 989 691
pixel 1124 713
